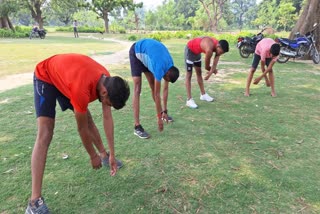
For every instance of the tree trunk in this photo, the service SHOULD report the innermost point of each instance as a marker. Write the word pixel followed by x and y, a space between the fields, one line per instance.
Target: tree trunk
pixel 36 12
pixel 207 10
pixel 106 21
pixel 6 23
pixel 214 11
pixel 309 16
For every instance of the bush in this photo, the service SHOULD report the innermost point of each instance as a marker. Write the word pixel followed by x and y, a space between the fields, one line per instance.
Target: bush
pixel 82 29
pixel 132 38
pixel 18 33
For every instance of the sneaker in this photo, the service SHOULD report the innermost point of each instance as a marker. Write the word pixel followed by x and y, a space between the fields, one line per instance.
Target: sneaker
pixel 105 162
pixel 139 131
pixel 191 103
pixel 39 207
pixel 206 97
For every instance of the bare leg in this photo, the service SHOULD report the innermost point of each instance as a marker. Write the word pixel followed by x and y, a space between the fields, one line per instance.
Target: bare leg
pixel 188 84
pixel 150 79
pixel 272 80
pixel 200 80
pixel 39 154
pixel 249 80
pixel 267 81
pixel 136 99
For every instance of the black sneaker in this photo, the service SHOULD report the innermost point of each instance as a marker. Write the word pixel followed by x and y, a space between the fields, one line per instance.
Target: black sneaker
pixel 139 131
pixel 39 207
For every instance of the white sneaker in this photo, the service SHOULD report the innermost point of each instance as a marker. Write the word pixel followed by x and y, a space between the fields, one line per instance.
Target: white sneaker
pixel 191 103
pixel 206 97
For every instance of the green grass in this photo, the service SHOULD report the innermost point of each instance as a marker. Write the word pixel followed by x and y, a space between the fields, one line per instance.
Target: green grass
pixel 236 155
pixel 21 55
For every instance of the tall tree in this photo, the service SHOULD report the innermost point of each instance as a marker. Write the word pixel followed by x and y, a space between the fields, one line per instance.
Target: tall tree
pixel 240 8
pixel 103 8
pixel 64 9
pixel 309 16
pixel 7 7
pixel 36 7
pixel 286 15
pixel 214 11
pixel 188 9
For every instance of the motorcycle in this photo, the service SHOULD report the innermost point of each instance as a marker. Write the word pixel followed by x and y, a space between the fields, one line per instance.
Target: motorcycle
pixel 301 46
pixel 37 34
pixel 247 45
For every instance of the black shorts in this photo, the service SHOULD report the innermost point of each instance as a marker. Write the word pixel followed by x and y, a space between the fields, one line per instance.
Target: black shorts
pixel 256 60
pixel 45 97
pixel 191 59
pixel 137 67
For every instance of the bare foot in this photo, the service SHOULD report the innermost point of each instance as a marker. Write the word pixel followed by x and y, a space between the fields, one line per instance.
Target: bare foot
pixel 246 94
pixel 273 95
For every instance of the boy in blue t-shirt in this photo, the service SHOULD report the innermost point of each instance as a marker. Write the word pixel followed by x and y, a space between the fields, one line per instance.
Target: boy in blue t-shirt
pixel 152 58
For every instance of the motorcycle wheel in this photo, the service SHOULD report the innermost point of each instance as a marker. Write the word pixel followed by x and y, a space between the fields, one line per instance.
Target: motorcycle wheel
pixel 243 51
pixel 42 36
pixel 282 58
pixel 315 56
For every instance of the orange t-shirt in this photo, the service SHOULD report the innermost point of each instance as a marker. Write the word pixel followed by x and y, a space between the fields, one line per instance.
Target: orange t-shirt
pixel 76 76
pixel 195 47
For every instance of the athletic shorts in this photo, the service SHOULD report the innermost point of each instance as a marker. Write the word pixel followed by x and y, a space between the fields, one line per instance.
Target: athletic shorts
pixel 137 67
pixel 191 59
pixel 256 60
pixel 45 97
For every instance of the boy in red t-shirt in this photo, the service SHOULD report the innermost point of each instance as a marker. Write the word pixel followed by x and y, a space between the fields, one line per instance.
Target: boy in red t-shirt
pixel 74 81
pixel 192 56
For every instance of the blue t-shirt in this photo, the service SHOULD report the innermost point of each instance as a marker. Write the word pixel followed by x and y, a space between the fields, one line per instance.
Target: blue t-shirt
pixel 155 56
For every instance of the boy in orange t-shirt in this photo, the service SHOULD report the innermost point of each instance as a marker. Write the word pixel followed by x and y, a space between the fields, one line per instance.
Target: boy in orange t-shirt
pixel 74 81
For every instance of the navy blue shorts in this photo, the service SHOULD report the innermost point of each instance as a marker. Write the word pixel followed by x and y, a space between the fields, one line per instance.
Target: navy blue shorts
pixel 256 60
pixel 137 67
pixel 45 97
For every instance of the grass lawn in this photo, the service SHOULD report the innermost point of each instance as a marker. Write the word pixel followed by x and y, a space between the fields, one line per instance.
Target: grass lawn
pixel 21 55
pixel 238 154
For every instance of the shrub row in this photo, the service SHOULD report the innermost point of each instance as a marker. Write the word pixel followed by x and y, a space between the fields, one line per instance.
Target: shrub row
pixel 81 29
pixel 19 32
pixel 231 38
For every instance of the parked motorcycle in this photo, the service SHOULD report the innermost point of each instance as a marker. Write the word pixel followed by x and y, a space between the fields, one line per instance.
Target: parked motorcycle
pixel 247 45
pixel 301 46
pixel 35 33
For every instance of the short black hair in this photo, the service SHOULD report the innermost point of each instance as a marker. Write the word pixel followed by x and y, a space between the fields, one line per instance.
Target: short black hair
pixel 224 45
pixel 275 49
pixel 118 91
pixel 173 73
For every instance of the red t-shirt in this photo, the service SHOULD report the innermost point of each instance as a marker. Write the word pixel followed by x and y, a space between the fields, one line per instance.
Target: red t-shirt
pixel 76 76
pixel 195 47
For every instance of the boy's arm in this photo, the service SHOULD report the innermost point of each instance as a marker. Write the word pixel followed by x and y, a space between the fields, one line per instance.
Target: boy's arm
pixel 208 56
pixel 165 94
pixel 213 69
pixel 86 138
pixel 109 132
pixel 157 100
pixel 264 71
